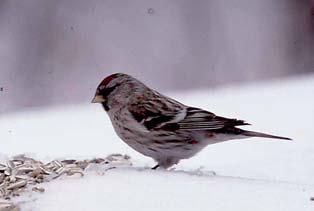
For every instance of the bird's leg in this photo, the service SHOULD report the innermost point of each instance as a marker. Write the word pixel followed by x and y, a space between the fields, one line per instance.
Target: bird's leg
pixel 155 167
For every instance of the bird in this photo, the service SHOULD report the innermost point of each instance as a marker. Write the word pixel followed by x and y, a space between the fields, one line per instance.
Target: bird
pixel 160 127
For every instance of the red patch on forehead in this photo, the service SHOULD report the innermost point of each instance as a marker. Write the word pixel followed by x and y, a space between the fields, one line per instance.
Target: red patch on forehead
pixel 108 79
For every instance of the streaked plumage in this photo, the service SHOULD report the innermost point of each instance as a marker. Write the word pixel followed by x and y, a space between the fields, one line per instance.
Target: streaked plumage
pixel 160 127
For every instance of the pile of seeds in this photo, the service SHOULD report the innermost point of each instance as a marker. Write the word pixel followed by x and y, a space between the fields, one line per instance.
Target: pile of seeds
pixel 22 172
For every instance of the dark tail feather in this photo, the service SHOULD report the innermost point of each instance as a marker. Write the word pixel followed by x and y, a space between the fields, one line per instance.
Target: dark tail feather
pixel 263 135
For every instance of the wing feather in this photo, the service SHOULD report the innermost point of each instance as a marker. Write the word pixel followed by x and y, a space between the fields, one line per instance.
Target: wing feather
pixel 181 119
pixel 154 117
pixel 198 119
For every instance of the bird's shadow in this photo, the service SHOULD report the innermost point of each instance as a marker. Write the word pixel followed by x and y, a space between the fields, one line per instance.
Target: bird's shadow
pixel 202 173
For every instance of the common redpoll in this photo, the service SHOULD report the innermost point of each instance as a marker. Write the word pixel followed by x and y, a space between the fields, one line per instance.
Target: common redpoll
pixel 160 127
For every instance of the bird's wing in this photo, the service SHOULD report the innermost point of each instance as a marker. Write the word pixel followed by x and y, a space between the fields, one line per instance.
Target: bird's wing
pixel 155 118
pixel 198 119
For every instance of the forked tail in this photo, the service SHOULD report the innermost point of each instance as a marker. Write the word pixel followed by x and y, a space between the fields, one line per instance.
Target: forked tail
pixel 263 135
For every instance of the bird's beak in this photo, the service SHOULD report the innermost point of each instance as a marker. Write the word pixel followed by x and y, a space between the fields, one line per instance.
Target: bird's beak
pixel 98 99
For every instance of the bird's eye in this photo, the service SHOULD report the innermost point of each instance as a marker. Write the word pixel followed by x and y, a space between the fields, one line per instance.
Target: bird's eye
pixel 101 87
pixel 108 90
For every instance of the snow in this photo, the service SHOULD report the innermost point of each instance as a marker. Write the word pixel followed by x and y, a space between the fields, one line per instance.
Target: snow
pixel 252 174
pixel 131 189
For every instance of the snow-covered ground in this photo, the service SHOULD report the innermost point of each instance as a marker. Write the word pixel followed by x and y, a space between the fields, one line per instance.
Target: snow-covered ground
pixel 252 174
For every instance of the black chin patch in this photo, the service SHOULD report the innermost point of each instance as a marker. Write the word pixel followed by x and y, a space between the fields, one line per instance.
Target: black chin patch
pixel 106 107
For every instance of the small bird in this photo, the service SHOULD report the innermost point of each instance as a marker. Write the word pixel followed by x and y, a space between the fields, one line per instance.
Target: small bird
pixel 160 127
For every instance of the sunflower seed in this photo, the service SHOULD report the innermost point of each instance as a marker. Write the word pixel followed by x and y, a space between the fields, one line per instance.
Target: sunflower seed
pixel 17 184
pixel 21 171
pixel 38 189
pixel 7 206
pixel 1 177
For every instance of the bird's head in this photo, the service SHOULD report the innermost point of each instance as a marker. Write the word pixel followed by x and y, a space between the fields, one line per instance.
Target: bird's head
pixel 114 90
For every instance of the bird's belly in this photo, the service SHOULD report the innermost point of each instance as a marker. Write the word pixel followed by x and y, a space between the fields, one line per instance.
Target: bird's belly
pixel 158 144
pixel 134 138
pixel 152 145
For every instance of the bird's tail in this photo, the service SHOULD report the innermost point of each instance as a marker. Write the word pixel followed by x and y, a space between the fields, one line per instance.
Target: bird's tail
pixel 263 135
